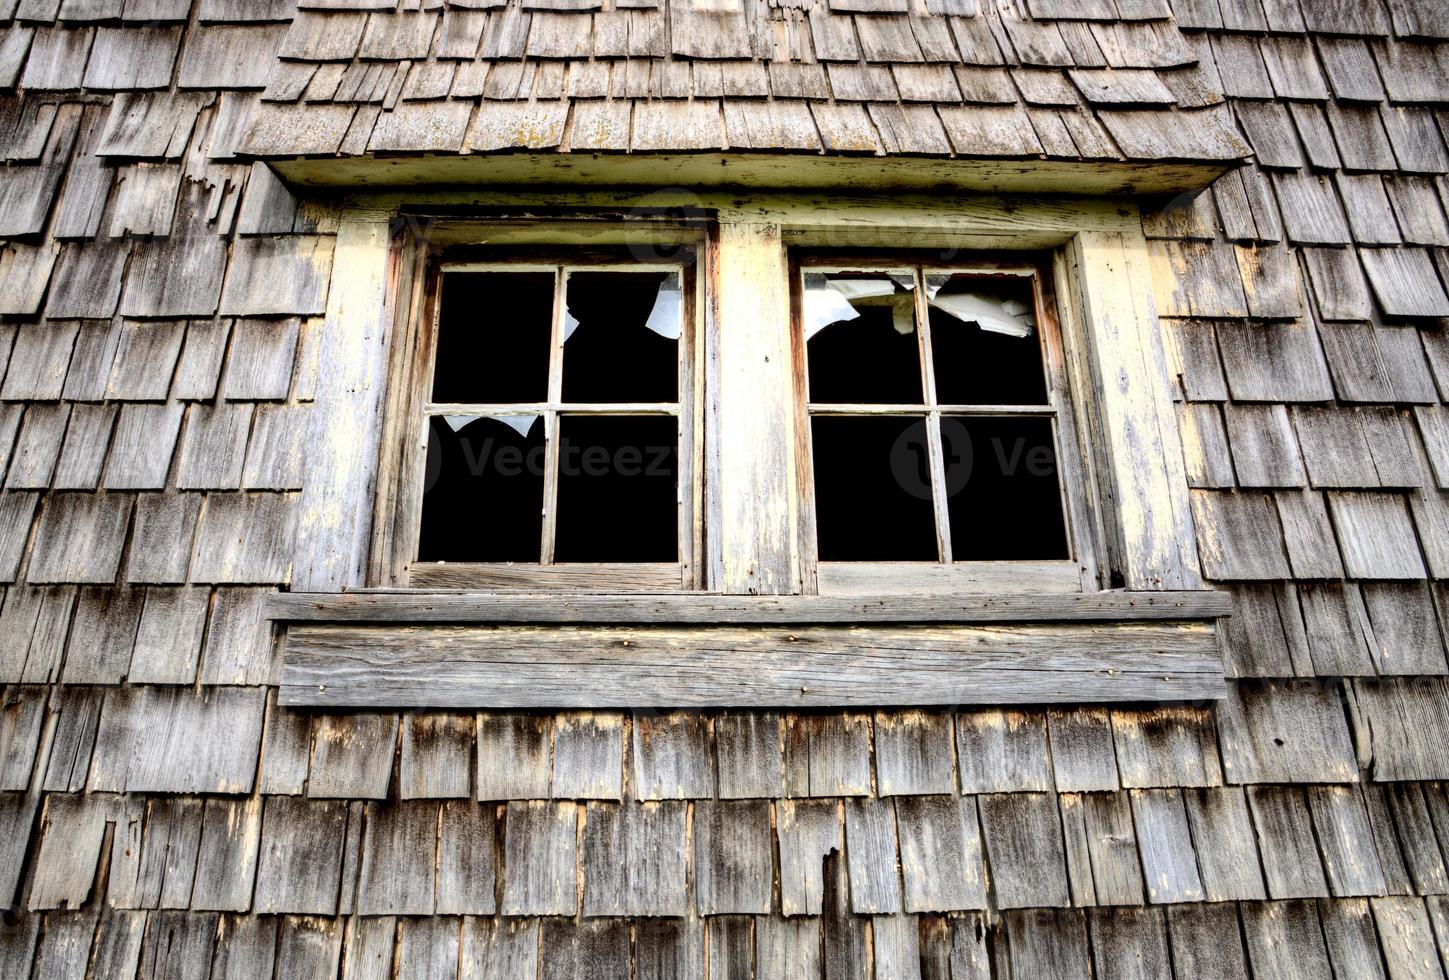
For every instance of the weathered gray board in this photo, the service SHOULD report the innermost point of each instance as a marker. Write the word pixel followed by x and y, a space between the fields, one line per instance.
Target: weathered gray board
pixel 451 666
pixel 396 606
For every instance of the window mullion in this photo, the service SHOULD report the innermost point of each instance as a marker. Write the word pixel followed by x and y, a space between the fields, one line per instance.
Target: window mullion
pixel 551 417
pixel 934 451
pixel 753 466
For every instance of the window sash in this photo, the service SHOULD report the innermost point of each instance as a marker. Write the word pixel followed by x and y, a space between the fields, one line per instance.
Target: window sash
pixel 548 574
pixel 946 574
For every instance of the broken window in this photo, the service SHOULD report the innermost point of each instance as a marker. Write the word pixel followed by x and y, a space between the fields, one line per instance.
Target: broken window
pixel 933 425
pixel 553 426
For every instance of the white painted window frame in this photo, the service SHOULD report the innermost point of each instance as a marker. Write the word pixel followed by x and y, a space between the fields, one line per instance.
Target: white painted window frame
pixel 1111 335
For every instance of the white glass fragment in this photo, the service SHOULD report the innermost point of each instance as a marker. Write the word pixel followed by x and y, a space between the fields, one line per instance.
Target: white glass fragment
pixel 859 289
pixel 665 318
pixel 823 305
pixel 1010 317
pixel 522 424
pixel 829 300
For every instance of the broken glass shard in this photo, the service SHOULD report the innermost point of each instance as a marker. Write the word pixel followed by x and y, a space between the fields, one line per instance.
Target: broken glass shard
pixel 861 342
pixel 483 489
pixel 984 345
pixel 667 316
pixel 625 346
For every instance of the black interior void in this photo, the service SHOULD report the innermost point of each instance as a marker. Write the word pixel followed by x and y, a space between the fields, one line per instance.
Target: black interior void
pixel 871 359
pixel 995 358
pixel 617 352
pixel 493 337
pixel 483 491
pixel 618 489
pixel 1004 495
pixel 873 489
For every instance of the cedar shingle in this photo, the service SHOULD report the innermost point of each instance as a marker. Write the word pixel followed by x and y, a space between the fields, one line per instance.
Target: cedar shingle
pixel 1284 732
pixel 1024 848
pixel 79 537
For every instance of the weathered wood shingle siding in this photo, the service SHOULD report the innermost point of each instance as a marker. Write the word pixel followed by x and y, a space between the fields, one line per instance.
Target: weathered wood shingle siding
pixel 161 300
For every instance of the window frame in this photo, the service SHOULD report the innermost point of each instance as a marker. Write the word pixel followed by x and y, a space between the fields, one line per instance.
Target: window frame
pixel 1079 570
pixel 542 245
pixel 1142 533
pixel 351 638
pixel 548 574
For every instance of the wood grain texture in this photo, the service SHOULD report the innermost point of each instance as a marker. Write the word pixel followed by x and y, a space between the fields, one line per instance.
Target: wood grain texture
pixel 913 753
pixel 540 876
pixel 1083 757
pixel 827 754
pixel 672 757
pixel 467 844
pixel 733 860
pixel 748 302
pixel 1130 943
pixel 1168 862
pixel 1227 853
pixel 388 606
pixel 588 755
pixel 1143 452
pixel 941 861
pixel 634 856
pixel 764 170
pixel 1286 842
pixel 807 831
pixel 1284 939
pixel 1002 752
pixel 1023 835
pixel 1206 941
pixel 456 666
pixel 333 530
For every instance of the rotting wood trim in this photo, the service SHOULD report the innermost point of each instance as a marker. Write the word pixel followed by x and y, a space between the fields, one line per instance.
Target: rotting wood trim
pixel 756 170
pixel 334 527
pixel 435 607
pixel 692 667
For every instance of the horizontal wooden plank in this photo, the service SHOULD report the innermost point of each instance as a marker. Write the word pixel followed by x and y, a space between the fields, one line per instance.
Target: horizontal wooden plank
pixel 689 667
pixel 635 577
pixel 756 170
pixel 874 578
pixel 442 607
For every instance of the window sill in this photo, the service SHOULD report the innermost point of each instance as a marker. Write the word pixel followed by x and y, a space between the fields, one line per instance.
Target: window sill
pixel 471 650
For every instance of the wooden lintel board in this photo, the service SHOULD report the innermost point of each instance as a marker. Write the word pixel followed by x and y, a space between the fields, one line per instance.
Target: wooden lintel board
pixel 527 667
pixel 751 170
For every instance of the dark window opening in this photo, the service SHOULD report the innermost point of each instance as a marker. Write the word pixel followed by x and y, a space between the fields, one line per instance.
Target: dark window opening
pixel 873 489
pixel 898 475
pixel 493 338
pixel 1003 492
pixel 986 349
pixel 869 354
pixel 550 472
pixel 483 490
pixel 617 489
pixel 621 337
